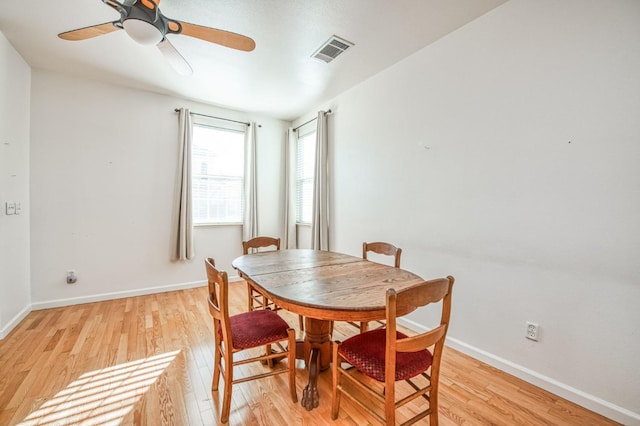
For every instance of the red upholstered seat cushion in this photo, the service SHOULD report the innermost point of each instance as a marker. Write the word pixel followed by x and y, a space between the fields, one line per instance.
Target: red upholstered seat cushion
pixel 366 352
pixel 256 328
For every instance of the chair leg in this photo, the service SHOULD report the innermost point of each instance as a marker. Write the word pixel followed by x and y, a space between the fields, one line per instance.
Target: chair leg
pixel 390 405
pixel 364 326
pixel 268 351
pixel 301 322
pixel 228 385
pixel 433 406
pixel 335 394
pixel 250 297
pixel 216 369
pixel 292 365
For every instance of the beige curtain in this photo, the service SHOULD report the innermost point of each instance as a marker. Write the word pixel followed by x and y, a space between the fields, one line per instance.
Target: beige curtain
pixel 250 223
pixel 320 212
pixel 182 247
pixel 290 163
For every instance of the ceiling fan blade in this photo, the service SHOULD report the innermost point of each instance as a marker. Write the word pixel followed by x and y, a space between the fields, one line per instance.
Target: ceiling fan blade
pixel 89 32
pixel 213 35
pixel 174 58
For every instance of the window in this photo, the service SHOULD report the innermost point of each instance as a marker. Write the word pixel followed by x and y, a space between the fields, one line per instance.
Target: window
pixel 304 179
pixel 217 175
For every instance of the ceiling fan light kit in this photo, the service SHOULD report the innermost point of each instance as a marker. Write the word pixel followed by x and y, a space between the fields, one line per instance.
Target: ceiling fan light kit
pixel 142 32
pixel 145 24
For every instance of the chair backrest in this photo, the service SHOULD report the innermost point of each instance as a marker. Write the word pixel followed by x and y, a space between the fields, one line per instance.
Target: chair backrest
pixel 260 242
pixel 382 248
pixel 219 300
pixel 422 294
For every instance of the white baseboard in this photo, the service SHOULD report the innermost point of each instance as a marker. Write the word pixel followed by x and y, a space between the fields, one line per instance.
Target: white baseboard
pixel 591 402
pixel 116 295
pixel 121 294
pixel 14 322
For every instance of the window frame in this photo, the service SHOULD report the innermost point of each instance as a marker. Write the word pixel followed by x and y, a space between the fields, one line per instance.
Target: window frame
pixel 241 130
pixel 305 133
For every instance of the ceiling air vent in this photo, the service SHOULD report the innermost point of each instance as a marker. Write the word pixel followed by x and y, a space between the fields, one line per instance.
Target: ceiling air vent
pixel 332 48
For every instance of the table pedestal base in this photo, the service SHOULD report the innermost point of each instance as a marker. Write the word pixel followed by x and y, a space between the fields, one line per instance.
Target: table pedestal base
pixel 310 395
pixel 316 351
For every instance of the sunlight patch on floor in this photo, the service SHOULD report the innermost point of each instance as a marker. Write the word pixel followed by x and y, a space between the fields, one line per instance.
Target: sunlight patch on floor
pixel 102 396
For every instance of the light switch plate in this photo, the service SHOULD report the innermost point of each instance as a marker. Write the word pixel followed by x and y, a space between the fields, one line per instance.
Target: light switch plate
pixel 10 208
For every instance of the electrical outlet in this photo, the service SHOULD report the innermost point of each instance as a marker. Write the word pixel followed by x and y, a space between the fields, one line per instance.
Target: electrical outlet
pixel 532 331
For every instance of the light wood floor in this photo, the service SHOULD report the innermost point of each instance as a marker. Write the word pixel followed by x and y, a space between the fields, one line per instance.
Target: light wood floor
pixel 148 360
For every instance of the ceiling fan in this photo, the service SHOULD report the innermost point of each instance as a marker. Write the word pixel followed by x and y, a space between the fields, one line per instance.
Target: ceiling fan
pixel 144 23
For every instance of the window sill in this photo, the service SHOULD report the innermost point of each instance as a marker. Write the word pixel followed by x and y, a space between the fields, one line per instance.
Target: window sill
pixel 211 225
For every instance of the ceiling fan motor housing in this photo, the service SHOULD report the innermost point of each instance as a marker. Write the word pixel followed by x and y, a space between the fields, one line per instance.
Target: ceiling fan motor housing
pixel 145 26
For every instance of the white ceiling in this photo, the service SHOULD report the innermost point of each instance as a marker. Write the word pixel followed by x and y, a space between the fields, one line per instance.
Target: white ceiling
pixel 279 78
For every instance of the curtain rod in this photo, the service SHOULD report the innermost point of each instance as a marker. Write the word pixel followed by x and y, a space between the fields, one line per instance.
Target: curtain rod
pixel 218 118
pixel 305 123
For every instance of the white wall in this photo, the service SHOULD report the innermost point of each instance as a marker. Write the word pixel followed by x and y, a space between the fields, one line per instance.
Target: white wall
pixel 508 155
pixel 103 166
pixel 532 226
pixel 15 80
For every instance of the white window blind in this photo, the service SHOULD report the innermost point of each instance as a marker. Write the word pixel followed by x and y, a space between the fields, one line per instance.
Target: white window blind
pixel 217 175
pixel 305 173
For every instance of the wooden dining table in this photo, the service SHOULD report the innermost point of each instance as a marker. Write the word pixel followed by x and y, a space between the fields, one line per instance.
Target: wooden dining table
pixel 322 286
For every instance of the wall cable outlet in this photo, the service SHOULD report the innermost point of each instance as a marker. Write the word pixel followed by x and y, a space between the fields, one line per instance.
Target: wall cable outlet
pixel 71 276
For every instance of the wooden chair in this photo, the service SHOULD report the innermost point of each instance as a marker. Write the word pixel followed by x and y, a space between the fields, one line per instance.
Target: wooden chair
pixel 245 331
pixel 383 357
pixel 256 299
pixel 384 249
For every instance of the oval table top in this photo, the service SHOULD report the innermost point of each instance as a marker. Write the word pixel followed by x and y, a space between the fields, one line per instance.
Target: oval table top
pixel 323 284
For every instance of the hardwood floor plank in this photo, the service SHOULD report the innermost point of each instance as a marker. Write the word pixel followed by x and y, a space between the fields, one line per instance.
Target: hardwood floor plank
pixel 516 414
pixel 148 360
